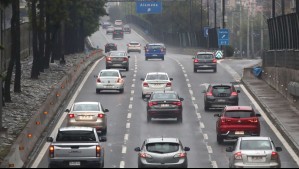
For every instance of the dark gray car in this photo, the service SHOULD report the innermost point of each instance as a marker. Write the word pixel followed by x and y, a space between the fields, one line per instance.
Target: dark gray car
pixel 205 61
pixel 118 59
pixel 162 153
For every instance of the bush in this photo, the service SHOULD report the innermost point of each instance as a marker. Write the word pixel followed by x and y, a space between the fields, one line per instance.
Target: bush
pixel 230 51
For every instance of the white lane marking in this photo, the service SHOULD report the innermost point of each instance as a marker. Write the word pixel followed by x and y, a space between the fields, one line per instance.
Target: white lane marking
pixel 124 150
pixel 191 92
pixel 129 116
pixel 266 118
pixel 189 85
pixel 210 150
pixel 202 125
pixel 126 137
pixel 272 126
pixel 134 80
pixel 135 75
pixel 128 125
pixel 131 99
pixel 214 164
pixel 186 75
pixel 206 137
pixel 122 164
pixel 130 106
pixel 193 98
pixel 133 85
pixel 196 106
pixel 187 80
pixel 198 115
pixel 58 125
pixel 132 92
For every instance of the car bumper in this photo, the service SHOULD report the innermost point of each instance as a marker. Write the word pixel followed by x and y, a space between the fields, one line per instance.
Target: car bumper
pixel 147 91
pixel 233 135
pixel 154 55
pixel 118 37
pixel 181 164
pixel 164 113
pixel 115 86
pixel 99 126
pixel 215 104
pixel 117 65
pixel 205 67
pixel 257 165
pixel 84 163
pixel 134 50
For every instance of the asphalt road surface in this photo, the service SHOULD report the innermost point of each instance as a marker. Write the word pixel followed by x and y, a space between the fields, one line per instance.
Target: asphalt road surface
pixel 127 124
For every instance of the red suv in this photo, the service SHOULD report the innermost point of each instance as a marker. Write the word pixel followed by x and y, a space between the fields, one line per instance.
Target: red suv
pixel 237 121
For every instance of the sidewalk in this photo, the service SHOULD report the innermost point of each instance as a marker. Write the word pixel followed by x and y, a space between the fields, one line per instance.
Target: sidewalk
pixel 283 114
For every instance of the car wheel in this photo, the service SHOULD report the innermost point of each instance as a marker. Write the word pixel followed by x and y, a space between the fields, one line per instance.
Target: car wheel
pixel 180 119
pixel 146 59
pixel 220 139
pixel 121 91
pixel 127 69
pixel 195 70
pixel 104 132
pixel 163 58
pixel 143 96
pixel 207 108
pixel 149 119
pixel 98 91
pixel 215 70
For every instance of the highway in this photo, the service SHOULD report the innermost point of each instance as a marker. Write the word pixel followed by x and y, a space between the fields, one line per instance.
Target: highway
pixel 127 124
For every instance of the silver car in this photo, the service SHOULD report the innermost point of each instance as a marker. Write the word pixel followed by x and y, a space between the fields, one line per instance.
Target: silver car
pixel 88 114
pixel 162 153
pixel 110 80
pixel 157 81
pixel 254 152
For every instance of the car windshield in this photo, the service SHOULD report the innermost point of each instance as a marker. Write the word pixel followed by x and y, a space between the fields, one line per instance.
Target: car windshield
pixel 76 136
pixel 86 107
pixel 109 74
pixel 117 54
pixel 154 47
pixel 166 96
pixel 206 56
pixel 217 90
pixel 162 148
pixel 256 145
pixel 239 114
pixel 157 77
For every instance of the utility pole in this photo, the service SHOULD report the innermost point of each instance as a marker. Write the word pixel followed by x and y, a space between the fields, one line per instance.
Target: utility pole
pixel 282 7
pixel 215 10
pixel 273 9
pixel 241 39
pixel 1 57
pixel 262 30
pixel 252 32
pixel 248 31
pixel 208 6
pixel 223 13
pixel 297 6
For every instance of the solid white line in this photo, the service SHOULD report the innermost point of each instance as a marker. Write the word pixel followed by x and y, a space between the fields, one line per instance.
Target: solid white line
pixel 210 150
pixel 272 126
pixel 129 116
pixel 58 125
pixel 124 150
pixel 128 125
pixel 122 164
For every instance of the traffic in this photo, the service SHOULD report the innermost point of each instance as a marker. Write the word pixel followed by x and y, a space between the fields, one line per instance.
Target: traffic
pixel 163 105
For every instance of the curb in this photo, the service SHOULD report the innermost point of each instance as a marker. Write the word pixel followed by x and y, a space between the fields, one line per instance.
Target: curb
pixel 27 139
pixel 274 119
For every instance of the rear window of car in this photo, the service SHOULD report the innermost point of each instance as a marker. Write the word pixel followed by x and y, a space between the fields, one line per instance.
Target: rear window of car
pixel 239 114
pixel 217 90
pixel 164 96
pixel 76 136
pixel 135 44
pixel 154 47
pixel 157 77
pixel 109 74
pixel 86 107
pixel 118 31
pixel 162 148
pixel 205 57
pixel 256 145
pixel 117 54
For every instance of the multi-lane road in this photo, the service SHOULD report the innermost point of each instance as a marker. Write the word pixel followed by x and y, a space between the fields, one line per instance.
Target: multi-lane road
pixel 127 124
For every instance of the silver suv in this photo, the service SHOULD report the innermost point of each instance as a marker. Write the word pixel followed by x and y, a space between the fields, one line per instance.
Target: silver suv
pixel 162 153
pixel 254 152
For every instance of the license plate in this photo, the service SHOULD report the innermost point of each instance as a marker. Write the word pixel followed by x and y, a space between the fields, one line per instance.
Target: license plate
pixel 155 55
pixel 239 132
pixel 257 159
pixel 85 117
pixel 164 105
pixel 75 163
pixel 221 100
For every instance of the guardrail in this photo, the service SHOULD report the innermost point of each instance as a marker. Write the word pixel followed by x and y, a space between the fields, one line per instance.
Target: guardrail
pixel 28 138
pixel 281 58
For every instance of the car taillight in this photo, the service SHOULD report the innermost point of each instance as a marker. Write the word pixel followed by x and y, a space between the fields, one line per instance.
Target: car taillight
pixel 126 59
pixel 119 80
pixel 274 156
pixel 150 104
pixel 238 156
pixel 196 61
pixel 108 59
pixel 254 120
pixel 51 151
pixel 145 84
pixel 144 155
pixel 98 150
pixel 214 60
pixel 177 103
pixel 168 84
pixel 71 116
pixel 98 80
pixel 234 94
pixel 209 94
pixel 180 155
pixel 225 121
pixel 101 116
pixel 162 50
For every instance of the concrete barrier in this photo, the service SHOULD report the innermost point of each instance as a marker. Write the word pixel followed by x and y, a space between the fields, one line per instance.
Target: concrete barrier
pixel 28 138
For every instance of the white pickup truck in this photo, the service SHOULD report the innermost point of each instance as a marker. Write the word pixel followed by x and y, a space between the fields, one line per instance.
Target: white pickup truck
pixel 76 147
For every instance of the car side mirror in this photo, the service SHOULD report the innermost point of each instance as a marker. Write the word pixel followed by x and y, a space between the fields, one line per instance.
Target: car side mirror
pixel 238 91
pixel 124 76
pixel 278 149
pixel 50 139
pixel 182 99
pixel 142 79
pixel 106 111
pixel 129 57
pixel 204 91
pixel 229 149
pixel 103 139
pixel 67 111
pixel 171 79
pixel 258 115
pixel 187 149
pixel 138 149
pixel 217 115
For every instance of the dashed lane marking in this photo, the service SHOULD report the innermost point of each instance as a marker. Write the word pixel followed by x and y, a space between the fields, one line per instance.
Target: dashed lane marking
pixel 131 99
pixel 130 106
pixel 202 125
pixel 206 137
pixel 193 98
pixel 196 106
pixel 126 137
pixel 198 115
pixel 122 164
pixel 124 150
pixel 210 150
pixel 214 164
pixel 189 85
pixel 128 125
pixel 129 116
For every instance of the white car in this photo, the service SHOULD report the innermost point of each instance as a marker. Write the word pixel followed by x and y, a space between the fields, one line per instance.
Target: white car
pixel 134 47
pixel 118 23
pixel 110 80
pixel 156 81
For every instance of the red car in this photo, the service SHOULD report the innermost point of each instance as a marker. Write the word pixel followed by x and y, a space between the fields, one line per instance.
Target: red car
pixel 237 121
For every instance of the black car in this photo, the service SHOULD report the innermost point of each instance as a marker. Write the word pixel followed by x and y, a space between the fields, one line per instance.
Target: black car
pixel 205 61
pixel 166 104
pixel 118 33
pixel 220 96
pixel 110 47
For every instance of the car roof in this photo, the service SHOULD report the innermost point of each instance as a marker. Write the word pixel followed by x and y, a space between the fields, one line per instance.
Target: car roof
pixel 236 108
pixel 157 73
pixel 155 44
pixel 255 138
pixel 162 140
pixel 168 92
pixel 76 129
pixel 86 103
pixel 110 70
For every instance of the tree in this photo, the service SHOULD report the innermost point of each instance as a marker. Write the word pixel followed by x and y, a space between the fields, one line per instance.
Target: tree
pixel 35 66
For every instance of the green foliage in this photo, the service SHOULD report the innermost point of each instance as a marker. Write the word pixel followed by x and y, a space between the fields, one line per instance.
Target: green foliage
pixel 229 51
pixel 4 3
